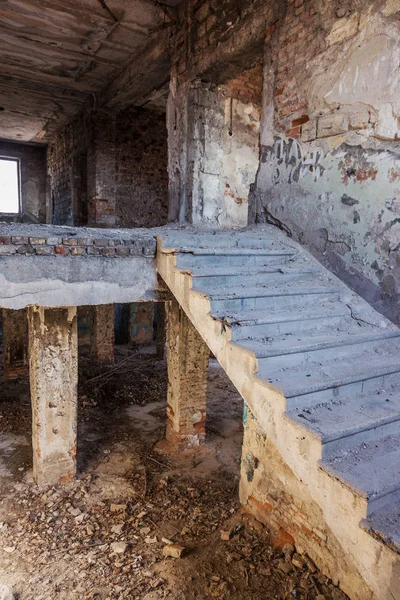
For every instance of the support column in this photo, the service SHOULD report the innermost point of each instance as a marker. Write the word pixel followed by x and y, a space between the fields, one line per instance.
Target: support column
pixel 103 335
pixel 53 374
pixel 15 343
pixel 161 332
pixel 141 322
pixel 188 358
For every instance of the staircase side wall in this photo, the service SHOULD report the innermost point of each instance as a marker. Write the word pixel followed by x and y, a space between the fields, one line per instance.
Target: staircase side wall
pixel 330 155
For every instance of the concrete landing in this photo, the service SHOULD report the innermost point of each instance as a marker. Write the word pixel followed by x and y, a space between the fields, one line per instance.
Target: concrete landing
pixel 70 266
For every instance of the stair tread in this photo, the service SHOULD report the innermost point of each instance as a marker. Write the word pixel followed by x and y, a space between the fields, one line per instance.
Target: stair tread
pixel 279 315
pixel 343 417
pixel 313 377
pixel 277 291
pixel 371 468
pixel 385 524
pixel 279 280
pixel 308 342
pixel 235 251
pixel 267 269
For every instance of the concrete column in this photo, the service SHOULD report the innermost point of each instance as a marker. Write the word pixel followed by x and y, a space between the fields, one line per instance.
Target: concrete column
pixel 188 358
pixel 53 374
pixel 15 343
pixel 103 336
pixel 141 322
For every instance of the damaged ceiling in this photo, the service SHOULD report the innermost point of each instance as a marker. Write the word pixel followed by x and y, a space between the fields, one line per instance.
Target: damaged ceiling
pixel 57 53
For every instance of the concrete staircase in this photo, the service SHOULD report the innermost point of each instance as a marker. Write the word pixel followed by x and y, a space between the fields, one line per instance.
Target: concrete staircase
pixel 314 362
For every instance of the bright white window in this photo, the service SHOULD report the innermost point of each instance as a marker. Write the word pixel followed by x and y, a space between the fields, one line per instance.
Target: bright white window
pixel 9 186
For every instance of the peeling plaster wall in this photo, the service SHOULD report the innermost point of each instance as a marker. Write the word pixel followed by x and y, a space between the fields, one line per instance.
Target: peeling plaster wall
pixel 33 179
pixel 214 153
pixel 330 150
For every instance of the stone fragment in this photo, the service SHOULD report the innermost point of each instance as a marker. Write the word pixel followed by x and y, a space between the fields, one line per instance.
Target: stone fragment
pixel 298 561
pixel 174 551
pixel 285 567
pixel 6 593
pixel 288 550
pixel 115 508
pixel 119 547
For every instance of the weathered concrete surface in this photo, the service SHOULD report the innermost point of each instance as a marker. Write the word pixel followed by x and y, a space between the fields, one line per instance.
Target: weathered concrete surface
pixel 330 156
pixel 62 281
pixel 53 371
pixel 213 145
pixel 188 358
pixel 15 343
pixel 62 266
pixel 102 339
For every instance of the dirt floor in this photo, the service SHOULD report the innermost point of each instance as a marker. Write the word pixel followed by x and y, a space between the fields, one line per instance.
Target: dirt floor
pixel 103 536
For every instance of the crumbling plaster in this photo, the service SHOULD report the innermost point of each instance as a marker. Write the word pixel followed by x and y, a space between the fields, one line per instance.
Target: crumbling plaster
pixel 213 154
pixel 334 181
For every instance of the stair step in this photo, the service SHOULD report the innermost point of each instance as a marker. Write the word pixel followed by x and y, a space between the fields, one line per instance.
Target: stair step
pixel 372 469
pixel 293 324
pixel 279 315
pixel 233 259
pixel 255 298
pixel 350 421
pixel 314 384
pixel 384 524
pixel 289 351
pixel 254 280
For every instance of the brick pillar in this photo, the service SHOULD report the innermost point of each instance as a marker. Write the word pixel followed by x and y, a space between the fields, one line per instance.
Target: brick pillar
pixel 188 358
pixel 15 343
pixel 141 322
pixel 103 336
pixel 101 171
pixel 53 374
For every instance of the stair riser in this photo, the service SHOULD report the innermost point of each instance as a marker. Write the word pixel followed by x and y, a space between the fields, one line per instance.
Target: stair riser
pixel 353 352
pixel 274 329
pixel 272 302
pixel 186 261
pixel 234 281
pixel 358 387
pixel 370 435
pixel 380 503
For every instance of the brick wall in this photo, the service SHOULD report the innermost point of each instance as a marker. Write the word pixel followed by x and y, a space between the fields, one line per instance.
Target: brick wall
pixel 106 170
pixel 247 87
pixel 142 178
pixel 33 178
pixel 216 40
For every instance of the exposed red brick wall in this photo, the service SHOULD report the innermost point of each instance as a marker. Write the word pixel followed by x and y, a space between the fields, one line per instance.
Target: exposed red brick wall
pixel 142 163
pixel 294 40
pixel 248 86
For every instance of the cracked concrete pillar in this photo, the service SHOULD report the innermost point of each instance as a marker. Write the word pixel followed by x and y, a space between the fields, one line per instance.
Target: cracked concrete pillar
pixel 15 343
pixel 103 335
pixel 53 374
pixel 188 358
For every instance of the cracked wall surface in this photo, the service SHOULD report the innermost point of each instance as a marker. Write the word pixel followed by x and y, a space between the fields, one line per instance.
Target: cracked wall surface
pixel 330 153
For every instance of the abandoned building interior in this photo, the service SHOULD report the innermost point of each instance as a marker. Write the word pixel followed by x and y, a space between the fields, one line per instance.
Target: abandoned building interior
pixel 199 293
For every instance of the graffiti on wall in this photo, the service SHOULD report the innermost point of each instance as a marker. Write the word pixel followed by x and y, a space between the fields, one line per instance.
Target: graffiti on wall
pixel 290 162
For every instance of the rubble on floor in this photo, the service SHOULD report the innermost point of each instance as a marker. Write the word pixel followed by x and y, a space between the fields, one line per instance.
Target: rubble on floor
pixel 104 536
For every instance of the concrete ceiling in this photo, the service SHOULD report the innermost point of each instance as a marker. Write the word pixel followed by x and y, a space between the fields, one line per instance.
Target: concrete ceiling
pixel 56 53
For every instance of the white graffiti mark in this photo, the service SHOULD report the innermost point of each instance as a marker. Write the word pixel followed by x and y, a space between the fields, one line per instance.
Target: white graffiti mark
pixel 289 163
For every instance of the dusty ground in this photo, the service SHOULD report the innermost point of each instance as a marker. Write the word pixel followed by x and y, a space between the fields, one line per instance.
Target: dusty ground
pixel 102 536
